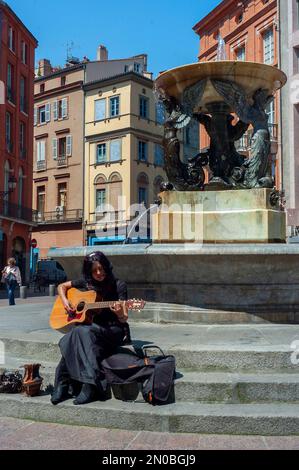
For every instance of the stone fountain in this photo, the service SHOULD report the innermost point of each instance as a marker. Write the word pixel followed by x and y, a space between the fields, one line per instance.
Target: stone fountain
pixel 218 252
pixel 239 204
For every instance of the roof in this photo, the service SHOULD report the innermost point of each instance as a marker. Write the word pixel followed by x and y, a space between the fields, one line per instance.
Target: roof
pixel 121 77
pixel 7 7
pixel 214 14
pixel 63 71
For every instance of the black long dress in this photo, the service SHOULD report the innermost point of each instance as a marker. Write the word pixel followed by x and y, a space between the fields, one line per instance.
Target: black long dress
pixel 85 346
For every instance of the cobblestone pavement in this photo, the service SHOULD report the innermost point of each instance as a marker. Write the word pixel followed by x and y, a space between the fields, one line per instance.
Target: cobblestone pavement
pixel 17 434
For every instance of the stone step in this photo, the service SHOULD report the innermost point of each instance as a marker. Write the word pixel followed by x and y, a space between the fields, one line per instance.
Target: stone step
pixel 192 417
pixel 206 358
pixel 211 387
pixel 155 312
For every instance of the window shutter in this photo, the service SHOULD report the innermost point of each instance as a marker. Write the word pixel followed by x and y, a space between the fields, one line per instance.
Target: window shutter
pixel 69 145
pixel 43 150
pixel 54 148
pixel 100 110
pixel 35 115
pixel 48 112
pixel 38 148
pixel 64 108
pixel 55 110
pixel 115 150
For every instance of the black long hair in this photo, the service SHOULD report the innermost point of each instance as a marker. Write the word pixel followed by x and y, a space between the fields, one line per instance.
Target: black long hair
pixel 109 279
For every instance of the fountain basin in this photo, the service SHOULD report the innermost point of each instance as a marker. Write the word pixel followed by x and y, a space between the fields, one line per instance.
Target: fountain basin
pixel 260 279
pixel 250 75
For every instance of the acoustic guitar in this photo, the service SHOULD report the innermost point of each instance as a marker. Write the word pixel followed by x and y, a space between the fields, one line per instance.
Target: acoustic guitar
pixel 83 303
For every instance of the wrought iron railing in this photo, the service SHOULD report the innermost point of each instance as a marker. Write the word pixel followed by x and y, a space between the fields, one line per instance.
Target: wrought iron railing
pixel 41 165
pixel 59 216
pixel 15 211
pixel 62 160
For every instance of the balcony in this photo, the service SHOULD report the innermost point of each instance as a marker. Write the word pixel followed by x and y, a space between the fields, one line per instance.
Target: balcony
pixel 41 165
pixel 244 144
pixel 58 217
pixel 14 211
pixel 61 161
pixel 110 217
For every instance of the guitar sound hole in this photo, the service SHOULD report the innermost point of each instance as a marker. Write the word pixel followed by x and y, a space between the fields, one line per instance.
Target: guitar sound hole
pixel 80 307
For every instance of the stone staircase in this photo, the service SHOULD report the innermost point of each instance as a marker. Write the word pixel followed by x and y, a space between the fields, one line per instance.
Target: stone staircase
pixel 246 385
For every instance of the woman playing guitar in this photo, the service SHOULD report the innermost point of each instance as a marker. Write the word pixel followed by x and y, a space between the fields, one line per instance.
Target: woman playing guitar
pixel 85 346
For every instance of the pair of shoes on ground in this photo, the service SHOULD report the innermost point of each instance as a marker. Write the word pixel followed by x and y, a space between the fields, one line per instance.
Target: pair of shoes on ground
pixel 87 394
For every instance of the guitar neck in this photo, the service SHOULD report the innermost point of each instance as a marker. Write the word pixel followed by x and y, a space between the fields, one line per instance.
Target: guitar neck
pixel 94 305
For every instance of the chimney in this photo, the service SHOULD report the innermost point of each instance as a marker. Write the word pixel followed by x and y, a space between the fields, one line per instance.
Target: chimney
pixel 44 68
pixel 102 53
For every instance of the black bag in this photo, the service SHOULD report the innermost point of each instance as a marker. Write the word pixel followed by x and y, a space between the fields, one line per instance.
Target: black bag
pixel 128 371
pixel 10 382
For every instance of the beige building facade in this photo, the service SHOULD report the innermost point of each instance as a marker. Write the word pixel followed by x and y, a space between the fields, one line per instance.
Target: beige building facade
pixel 58 157
pixel 123 155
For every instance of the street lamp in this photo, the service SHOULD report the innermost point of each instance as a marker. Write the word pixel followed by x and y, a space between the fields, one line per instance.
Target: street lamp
pixel 12 183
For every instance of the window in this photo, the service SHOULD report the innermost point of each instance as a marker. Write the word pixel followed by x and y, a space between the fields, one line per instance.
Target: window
pixel 42 88
pixel 143 107
pixel 115 150
pixel 126 68
pixel 63 81
pixel 41 150
pixel 100 198
pixel 101 153
pixel 40 200
pixel 20 191
pixel 142 196
pixel 114 106
pixel 142 151
pixel 268 39
pixel 23 104
pixel 62 195
pixel 62 148
pixel 159 155
pixel 8 122
pixel 22 140
pixel 60 109
pixel 270 110
pixel 137 67
pixel 160 112
pixel 24 52
pixel 142 183
pixel 11 39
pixel 100 110
pixel 43 114
pixel 9 83
pixel 241 54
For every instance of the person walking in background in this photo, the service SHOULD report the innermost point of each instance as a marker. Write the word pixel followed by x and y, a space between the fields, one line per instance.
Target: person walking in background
pixel 11 277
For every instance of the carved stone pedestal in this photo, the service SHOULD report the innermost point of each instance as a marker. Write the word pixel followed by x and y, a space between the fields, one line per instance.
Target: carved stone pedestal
pixel 230 216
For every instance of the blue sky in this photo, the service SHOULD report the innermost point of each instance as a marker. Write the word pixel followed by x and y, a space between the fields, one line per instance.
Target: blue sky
pixel 160 28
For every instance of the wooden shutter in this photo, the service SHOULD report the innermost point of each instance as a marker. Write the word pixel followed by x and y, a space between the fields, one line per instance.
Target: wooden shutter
pixel 55 110
pixel 115 191
pixel 115 150
pixel 100 110
pixel 64 107
pixel 69 145
pixel 48 112
pixel 54 148
pixel 43 150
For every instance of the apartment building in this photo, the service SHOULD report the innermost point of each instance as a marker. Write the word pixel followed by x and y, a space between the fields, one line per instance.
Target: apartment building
pixel 249 29
pixel 17 52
